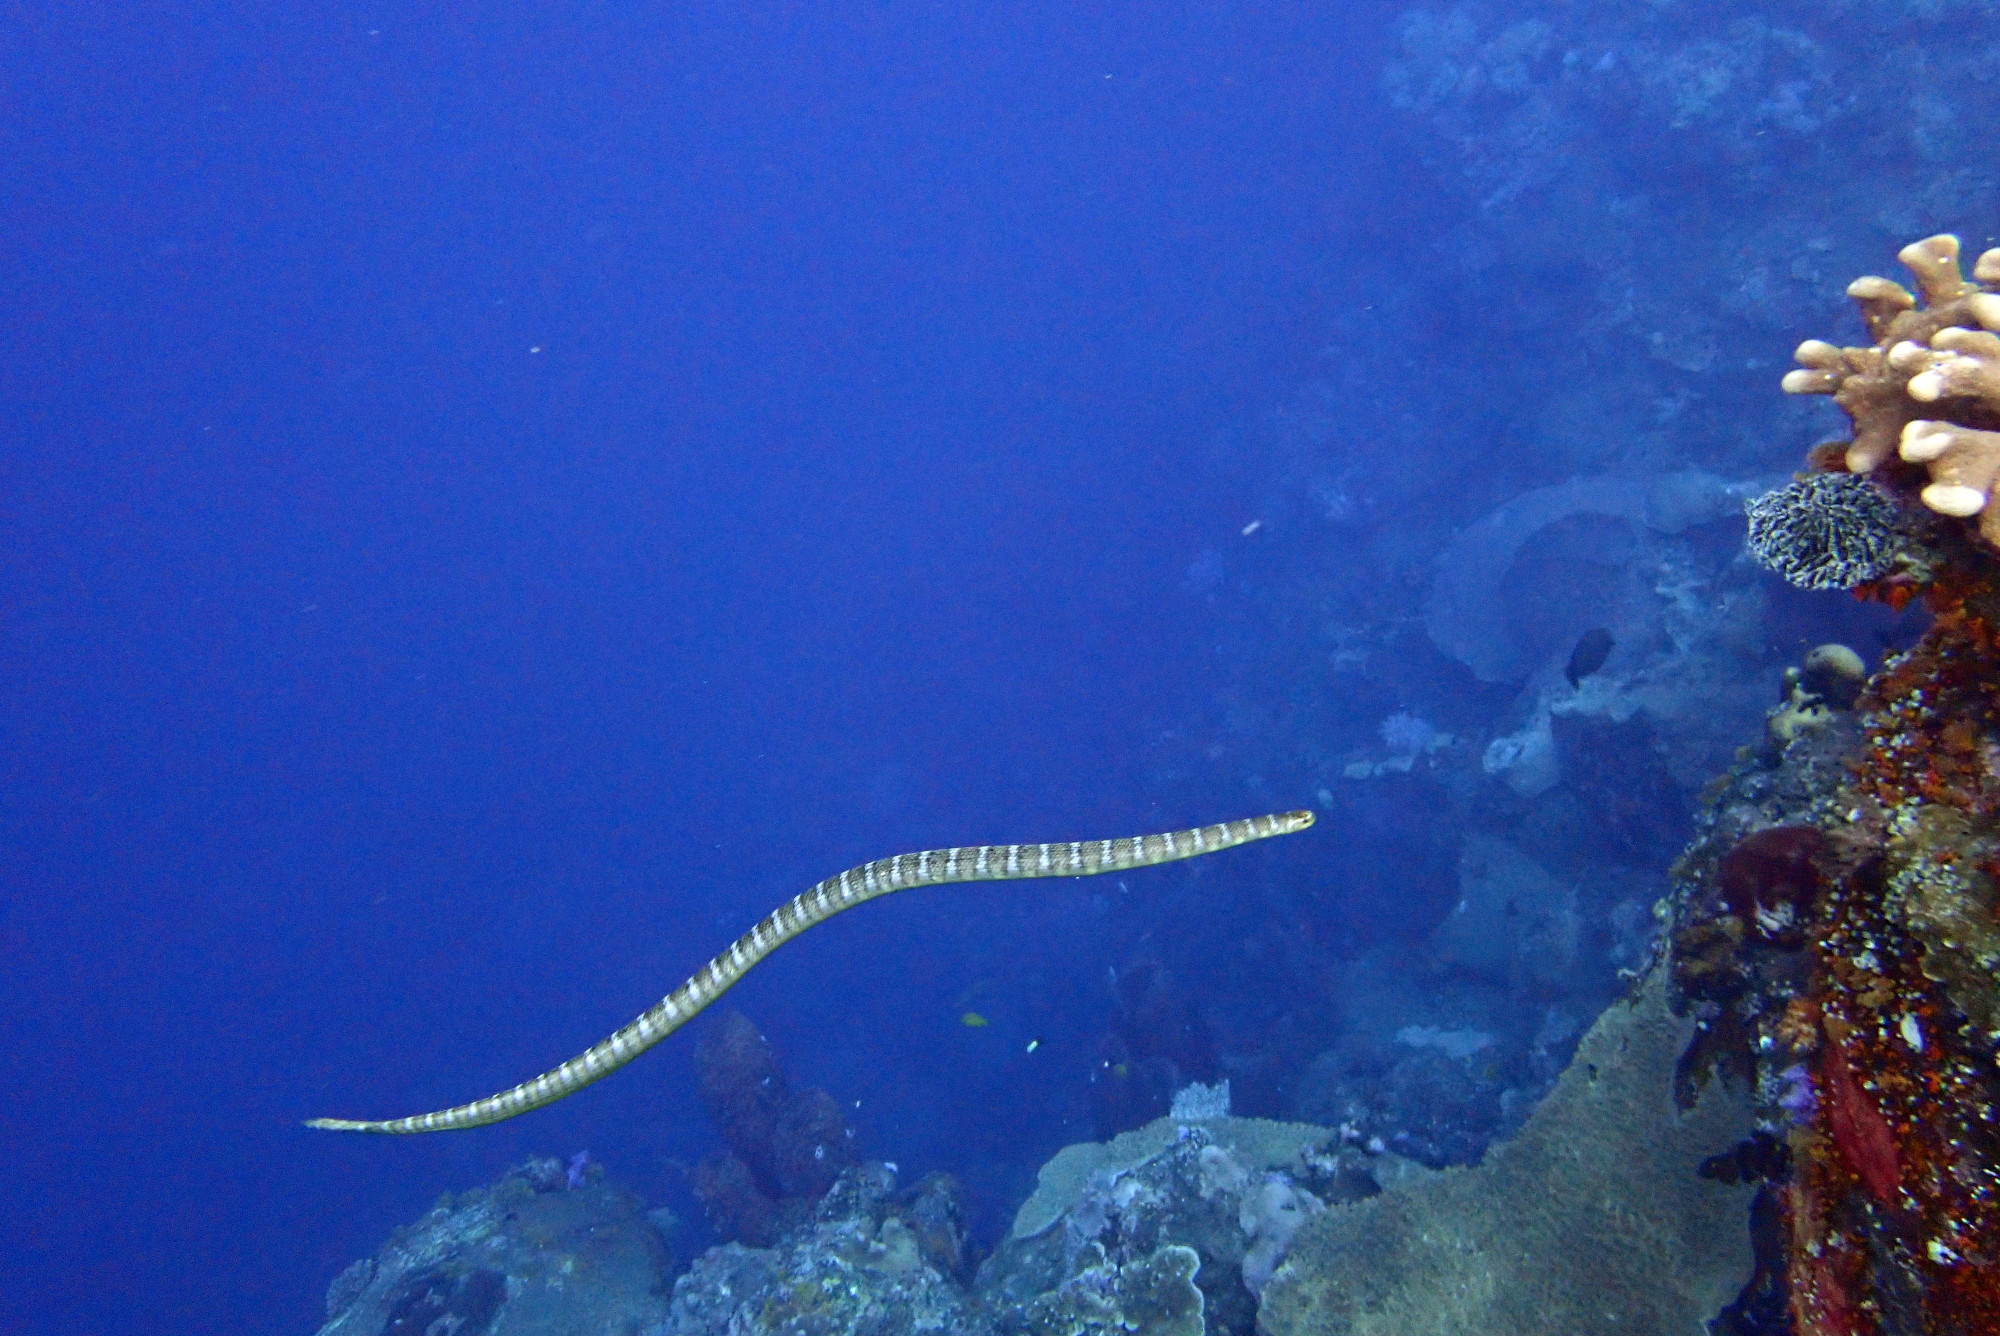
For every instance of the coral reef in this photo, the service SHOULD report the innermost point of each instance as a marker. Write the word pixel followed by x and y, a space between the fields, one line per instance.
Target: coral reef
pixel 1226 1195
pixel 1503 633
pixel 786 1147
pixel 528 1256
pixel 1155 1294
pixel 864 1261
pixel 1833 929
pixel 1173 1229
pixel 1927 393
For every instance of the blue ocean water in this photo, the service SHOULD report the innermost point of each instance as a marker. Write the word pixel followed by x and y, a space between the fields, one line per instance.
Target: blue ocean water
pixel 495 501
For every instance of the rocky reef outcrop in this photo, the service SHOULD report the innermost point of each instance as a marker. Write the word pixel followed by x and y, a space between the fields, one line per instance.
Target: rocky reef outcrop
pixel 1174 1229
pixel 545 1251
pixel 787 1147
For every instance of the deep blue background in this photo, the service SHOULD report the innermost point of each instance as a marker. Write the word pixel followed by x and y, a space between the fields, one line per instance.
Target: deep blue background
pixel 493 500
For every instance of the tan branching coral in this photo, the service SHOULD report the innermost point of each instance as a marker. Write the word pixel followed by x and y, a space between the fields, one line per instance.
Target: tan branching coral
pixel 1963 465
pixel 1928 392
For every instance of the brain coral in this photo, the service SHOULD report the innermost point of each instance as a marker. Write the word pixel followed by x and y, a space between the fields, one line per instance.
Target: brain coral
pixel 1927 393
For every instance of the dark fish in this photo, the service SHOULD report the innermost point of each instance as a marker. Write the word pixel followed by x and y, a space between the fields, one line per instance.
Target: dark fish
pixel 1589 654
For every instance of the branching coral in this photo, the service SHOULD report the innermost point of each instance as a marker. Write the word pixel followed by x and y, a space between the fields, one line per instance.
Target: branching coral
pixel 1928 392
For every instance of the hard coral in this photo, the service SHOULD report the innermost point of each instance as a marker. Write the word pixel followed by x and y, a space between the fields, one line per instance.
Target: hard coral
pixel 1824 531
pixel 1943 352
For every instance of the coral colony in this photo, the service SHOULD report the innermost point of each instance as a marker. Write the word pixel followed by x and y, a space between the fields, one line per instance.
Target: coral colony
pixel 1837 927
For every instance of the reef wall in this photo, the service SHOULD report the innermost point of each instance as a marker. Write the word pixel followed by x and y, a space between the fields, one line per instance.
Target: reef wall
pixel 1834 928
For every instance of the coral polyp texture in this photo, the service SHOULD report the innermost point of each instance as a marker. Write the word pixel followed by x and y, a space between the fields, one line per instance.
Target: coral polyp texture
pixel 1825 531
pixel 1836 928
pixel 1926 395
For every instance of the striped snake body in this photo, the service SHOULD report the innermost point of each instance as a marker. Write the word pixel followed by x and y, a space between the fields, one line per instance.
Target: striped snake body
pixel 932 867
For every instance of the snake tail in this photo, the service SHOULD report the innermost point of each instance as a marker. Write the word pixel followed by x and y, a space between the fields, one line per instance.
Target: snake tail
pixel 932 867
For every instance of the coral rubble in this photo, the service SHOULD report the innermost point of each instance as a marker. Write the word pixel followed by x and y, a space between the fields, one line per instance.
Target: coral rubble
pixel 1835 928
pixel 863 1261
pixel 1213 1206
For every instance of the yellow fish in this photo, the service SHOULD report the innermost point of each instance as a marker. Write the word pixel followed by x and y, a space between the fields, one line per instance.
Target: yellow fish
pixel 972 1020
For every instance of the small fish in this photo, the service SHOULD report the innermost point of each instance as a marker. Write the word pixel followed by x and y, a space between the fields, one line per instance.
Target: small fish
pixel 1589 655
pixel 1252 527
pixel 972 1020
pixel 1034 1044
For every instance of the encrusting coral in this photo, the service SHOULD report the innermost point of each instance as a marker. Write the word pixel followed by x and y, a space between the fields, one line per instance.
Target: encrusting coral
pixel 1928 392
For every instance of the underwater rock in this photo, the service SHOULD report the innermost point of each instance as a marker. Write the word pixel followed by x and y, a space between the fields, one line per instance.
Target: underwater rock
pixel 1593 1220
pixel 743 1090
pixel 1151 1296
pixel 787 1147
pixel 1620 769
pixel 1503 632
pixel 1526 760
pixel 1515 924
pixel 735 1206
pixel 936 1219
pixel 528 1256
pixel 464 1304
pixel 1593 647
pixel 811 1146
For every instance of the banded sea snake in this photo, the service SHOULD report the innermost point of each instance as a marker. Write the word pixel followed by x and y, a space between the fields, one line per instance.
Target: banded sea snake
pixel 932 867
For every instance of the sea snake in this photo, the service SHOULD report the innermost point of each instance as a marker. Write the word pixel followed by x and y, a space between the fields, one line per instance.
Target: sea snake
pixel 932 867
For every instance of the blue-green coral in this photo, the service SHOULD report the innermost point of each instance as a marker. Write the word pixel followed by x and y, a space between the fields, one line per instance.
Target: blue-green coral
pixel 1826 531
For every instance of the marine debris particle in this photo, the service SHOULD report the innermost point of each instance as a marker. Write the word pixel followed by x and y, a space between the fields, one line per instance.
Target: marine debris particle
pixel 1589 655
pixel 1837 926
